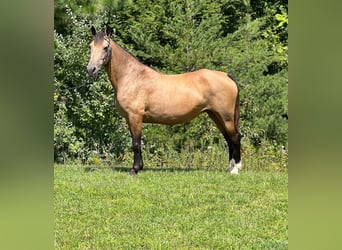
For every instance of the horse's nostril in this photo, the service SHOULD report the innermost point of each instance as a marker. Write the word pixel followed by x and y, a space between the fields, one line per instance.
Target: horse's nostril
pixel 91 71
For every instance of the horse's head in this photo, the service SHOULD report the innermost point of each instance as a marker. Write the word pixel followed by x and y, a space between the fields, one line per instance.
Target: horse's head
pixel 100 50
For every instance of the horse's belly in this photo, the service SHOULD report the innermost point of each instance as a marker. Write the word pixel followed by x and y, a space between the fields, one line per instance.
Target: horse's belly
pixel 168 120
pixel 172 115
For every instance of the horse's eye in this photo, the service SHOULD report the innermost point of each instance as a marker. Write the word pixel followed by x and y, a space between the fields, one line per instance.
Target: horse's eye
pixel 106 48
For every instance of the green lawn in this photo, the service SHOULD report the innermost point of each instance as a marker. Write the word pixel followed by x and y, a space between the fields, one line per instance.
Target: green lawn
pixel 104 208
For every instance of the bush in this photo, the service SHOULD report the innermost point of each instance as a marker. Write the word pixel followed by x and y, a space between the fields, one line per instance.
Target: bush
pixel 87 127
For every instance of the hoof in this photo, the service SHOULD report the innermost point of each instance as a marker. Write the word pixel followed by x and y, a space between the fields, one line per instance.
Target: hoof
pixel 133 172
pixel 233 170
pixel 234 167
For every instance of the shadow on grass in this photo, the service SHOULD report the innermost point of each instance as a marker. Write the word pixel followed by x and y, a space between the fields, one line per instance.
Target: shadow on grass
pixel 149 169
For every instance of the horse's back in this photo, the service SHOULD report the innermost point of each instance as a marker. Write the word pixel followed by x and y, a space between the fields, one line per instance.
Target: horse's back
pixel 204 78
pixel 206 85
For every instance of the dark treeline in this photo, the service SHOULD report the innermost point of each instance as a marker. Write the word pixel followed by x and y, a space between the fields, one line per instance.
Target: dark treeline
pixel 248 39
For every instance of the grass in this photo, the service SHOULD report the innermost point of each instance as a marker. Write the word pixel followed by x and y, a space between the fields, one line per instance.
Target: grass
pixel 104 208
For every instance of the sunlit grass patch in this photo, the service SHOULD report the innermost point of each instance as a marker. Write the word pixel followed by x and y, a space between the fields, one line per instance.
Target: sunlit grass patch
pixel 105 208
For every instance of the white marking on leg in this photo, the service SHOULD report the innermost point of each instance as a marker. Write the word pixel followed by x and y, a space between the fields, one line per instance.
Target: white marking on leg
pixel 232 168
pixel 238 165
pixel 231 163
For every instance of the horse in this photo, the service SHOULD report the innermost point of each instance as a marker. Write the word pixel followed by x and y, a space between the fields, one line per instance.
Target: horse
pixel 144 95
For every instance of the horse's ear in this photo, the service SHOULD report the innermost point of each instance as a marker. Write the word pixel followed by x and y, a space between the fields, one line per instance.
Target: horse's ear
pixel 93 30
pixel 109 30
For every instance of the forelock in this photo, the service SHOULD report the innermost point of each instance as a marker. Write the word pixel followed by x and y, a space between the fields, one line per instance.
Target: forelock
pixel 99 37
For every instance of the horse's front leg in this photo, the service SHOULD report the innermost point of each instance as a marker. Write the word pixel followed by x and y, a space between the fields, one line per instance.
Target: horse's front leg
pixel 135 126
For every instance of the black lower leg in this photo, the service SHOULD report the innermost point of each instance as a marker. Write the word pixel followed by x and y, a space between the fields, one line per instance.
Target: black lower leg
pixel 138 162
pixel 236 147
pixel 230 146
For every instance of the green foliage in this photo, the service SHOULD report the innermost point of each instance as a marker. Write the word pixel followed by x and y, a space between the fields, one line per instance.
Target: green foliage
pixel 246 39
pixel 86 126
pixel 99 207
pixel 262 73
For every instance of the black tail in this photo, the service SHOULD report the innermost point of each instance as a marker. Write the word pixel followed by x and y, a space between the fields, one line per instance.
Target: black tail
pixel 237 106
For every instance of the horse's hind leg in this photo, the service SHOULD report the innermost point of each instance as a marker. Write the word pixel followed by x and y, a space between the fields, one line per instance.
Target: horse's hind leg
pixel 232 137
pixel 235 140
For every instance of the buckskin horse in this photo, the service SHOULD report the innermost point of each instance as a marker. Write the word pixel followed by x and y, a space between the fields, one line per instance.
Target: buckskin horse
pixel 143 95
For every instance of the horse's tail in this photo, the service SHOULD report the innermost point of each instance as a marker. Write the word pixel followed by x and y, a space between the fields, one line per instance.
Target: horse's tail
pixel 237 106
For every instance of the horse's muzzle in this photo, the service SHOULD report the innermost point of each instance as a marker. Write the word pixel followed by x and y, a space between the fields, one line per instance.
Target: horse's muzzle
pixel 92 70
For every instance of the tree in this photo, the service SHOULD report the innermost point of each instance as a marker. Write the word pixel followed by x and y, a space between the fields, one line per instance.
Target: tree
pixel 259 59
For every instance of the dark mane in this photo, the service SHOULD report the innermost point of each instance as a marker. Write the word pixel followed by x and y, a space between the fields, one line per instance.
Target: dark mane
pixel 131 55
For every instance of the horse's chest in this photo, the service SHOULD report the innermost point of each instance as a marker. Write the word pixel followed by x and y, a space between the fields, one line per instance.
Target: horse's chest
pixel 126 105
pixel 119 107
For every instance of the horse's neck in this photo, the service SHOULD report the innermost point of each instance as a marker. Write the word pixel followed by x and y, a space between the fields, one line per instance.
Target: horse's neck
pixel 121 65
